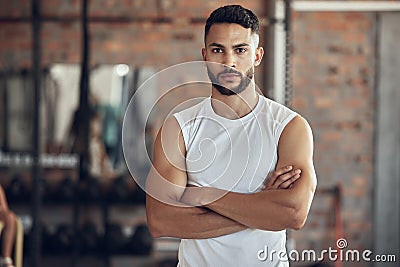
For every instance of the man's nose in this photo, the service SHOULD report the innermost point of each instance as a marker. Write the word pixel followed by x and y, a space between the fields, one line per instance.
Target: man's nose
pixel 229 60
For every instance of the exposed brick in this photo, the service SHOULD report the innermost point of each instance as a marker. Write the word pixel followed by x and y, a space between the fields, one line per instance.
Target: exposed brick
pixel 15 8
pixel 348 125
pixel 323 102
pixel 57 47
pixel 300 103
pixel 54 8
pixel 16 51
pixel 334 67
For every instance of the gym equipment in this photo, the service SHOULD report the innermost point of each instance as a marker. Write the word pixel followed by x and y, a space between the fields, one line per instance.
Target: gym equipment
pixel 65 191
pixel 43 188
pixel 141 243
pixel 49 245
pixel 16 190
pixel 64 238
pixel 89 238
pixel 120 190
pixel 90 189
pixel 115 240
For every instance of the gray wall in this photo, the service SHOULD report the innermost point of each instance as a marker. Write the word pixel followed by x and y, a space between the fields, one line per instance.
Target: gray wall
pixel 387 183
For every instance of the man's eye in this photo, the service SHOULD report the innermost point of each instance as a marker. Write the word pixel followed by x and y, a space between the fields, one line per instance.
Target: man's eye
pixel 241 50
pixel 216 50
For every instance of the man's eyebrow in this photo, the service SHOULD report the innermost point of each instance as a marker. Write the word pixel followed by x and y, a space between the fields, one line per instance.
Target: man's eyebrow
pixel 240 45
pixel 216 44
pixel 234 46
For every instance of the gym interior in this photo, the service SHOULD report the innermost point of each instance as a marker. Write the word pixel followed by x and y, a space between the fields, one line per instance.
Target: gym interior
pixel 70 69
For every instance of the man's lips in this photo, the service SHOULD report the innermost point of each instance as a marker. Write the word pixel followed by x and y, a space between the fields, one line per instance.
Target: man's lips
pixel 229 76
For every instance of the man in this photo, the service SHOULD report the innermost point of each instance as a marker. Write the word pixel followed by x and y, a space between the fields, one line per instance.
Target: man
pixel 233 172
pixel 7 218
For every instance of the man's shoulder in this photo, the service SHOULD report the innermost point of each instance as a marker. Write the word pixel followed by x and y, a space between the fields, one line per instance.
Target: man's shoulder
pixel 274 104
pixel 190 109
pixel 276 111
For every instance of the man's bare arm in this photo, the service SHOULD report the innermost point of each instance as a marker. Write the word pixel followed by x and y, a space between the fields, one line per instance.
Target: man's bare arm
pixel 166 182
pixel 3 200
pixel 272 209
pixel 167 216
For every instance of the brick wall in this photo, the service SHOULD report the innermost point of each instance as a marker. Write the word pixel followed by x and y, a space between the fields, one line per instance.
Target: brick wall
pixel 333 77
pixel 333 71
pixel 121 31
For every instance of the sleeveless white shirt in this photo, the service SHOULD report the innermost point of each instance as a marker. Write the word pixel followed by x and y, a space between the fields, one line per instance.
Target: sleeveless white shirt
pixel 235 155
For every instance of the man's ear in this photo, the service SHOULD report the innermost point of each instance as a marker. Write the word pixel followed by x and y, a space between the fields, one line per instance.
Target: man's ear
pixel 259 56
pixel 203 53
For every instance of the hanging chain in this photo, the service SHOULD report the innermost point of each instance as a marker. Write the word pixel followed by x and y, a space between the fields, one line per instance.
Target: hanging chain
pixel 288 56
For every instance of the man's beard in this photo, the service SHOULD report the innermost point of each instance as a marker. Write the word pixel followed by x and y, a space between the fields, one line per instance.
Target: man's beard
pixel 244 81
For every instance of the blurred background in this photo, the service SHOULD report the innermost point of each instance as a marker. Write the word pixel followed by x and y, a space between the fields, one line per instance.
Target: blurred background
pixel 69 68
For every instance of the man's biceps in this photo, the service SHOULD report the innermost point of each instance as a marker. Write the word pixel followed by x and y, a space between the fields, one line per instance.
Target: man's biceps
pixel 170 144
pixel 307 181
pixel 296 143
pixel 168 175
pixel 166 185
pixel 297 157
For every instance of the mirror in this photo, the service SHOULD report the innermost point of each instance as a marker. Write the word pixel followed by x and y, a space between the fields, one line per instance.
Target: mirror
pixel 110 89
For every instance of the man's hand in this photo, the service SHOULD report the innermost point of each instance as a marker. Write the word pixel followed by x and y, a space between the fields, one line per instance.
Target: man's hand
pixel 282 178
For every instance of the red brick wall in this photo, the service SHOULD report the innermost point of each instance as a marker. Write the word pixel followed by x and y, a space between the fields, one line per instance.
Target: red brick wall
pixel 130 35
pixel 333 80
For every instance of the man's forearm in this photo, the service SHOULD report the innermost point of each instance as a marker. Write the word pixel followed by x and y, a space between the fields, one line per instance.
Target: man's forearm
pixel 188 222
pixel 271 210
pixel 252 210
pixel 257 210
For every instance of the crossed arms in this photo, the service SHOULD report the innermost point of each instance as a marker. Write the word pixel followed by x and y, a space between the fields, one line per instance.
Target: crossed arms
pixel 175 210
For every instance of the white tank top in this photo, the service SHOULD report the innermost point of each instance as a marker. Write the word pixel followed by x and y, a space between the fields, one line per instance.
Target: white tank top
pixel 235 155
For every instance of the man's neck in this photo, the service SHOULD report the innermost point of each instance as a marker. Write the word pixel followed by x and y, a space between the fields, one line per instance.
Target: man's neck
pixel 234 106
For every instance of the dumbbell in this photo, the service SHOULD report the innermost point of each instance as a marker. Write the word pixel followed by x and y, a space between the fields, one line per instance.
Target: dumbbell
pixel 65 190
pixel 64 238
pixel 49 239
pixel 89 238
pixel 43 189
pixel 141 242
pixel 90 189
pixel 120 190
pixel 16 189
pixel 115 239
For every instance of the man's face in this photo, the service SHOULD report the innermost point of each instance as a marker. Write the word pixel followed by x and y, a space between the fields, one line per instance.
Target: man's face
pixel 237 49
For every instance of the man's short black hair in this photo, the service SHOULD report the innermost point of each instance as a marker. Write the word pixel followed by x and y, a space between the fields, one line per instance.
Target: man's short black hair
pixel 233 14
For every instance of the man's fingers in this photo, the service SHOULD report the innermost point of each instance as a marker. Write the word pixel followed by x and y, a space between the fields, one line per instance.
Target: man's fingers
pixel 284 180
pixel 289 182
pixel 285 177
pixel 283 170
pixel 276 174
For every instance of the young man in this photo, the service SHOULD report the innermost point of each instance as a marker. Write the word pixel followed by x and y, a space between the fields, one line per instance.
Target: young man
pixel 233 172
